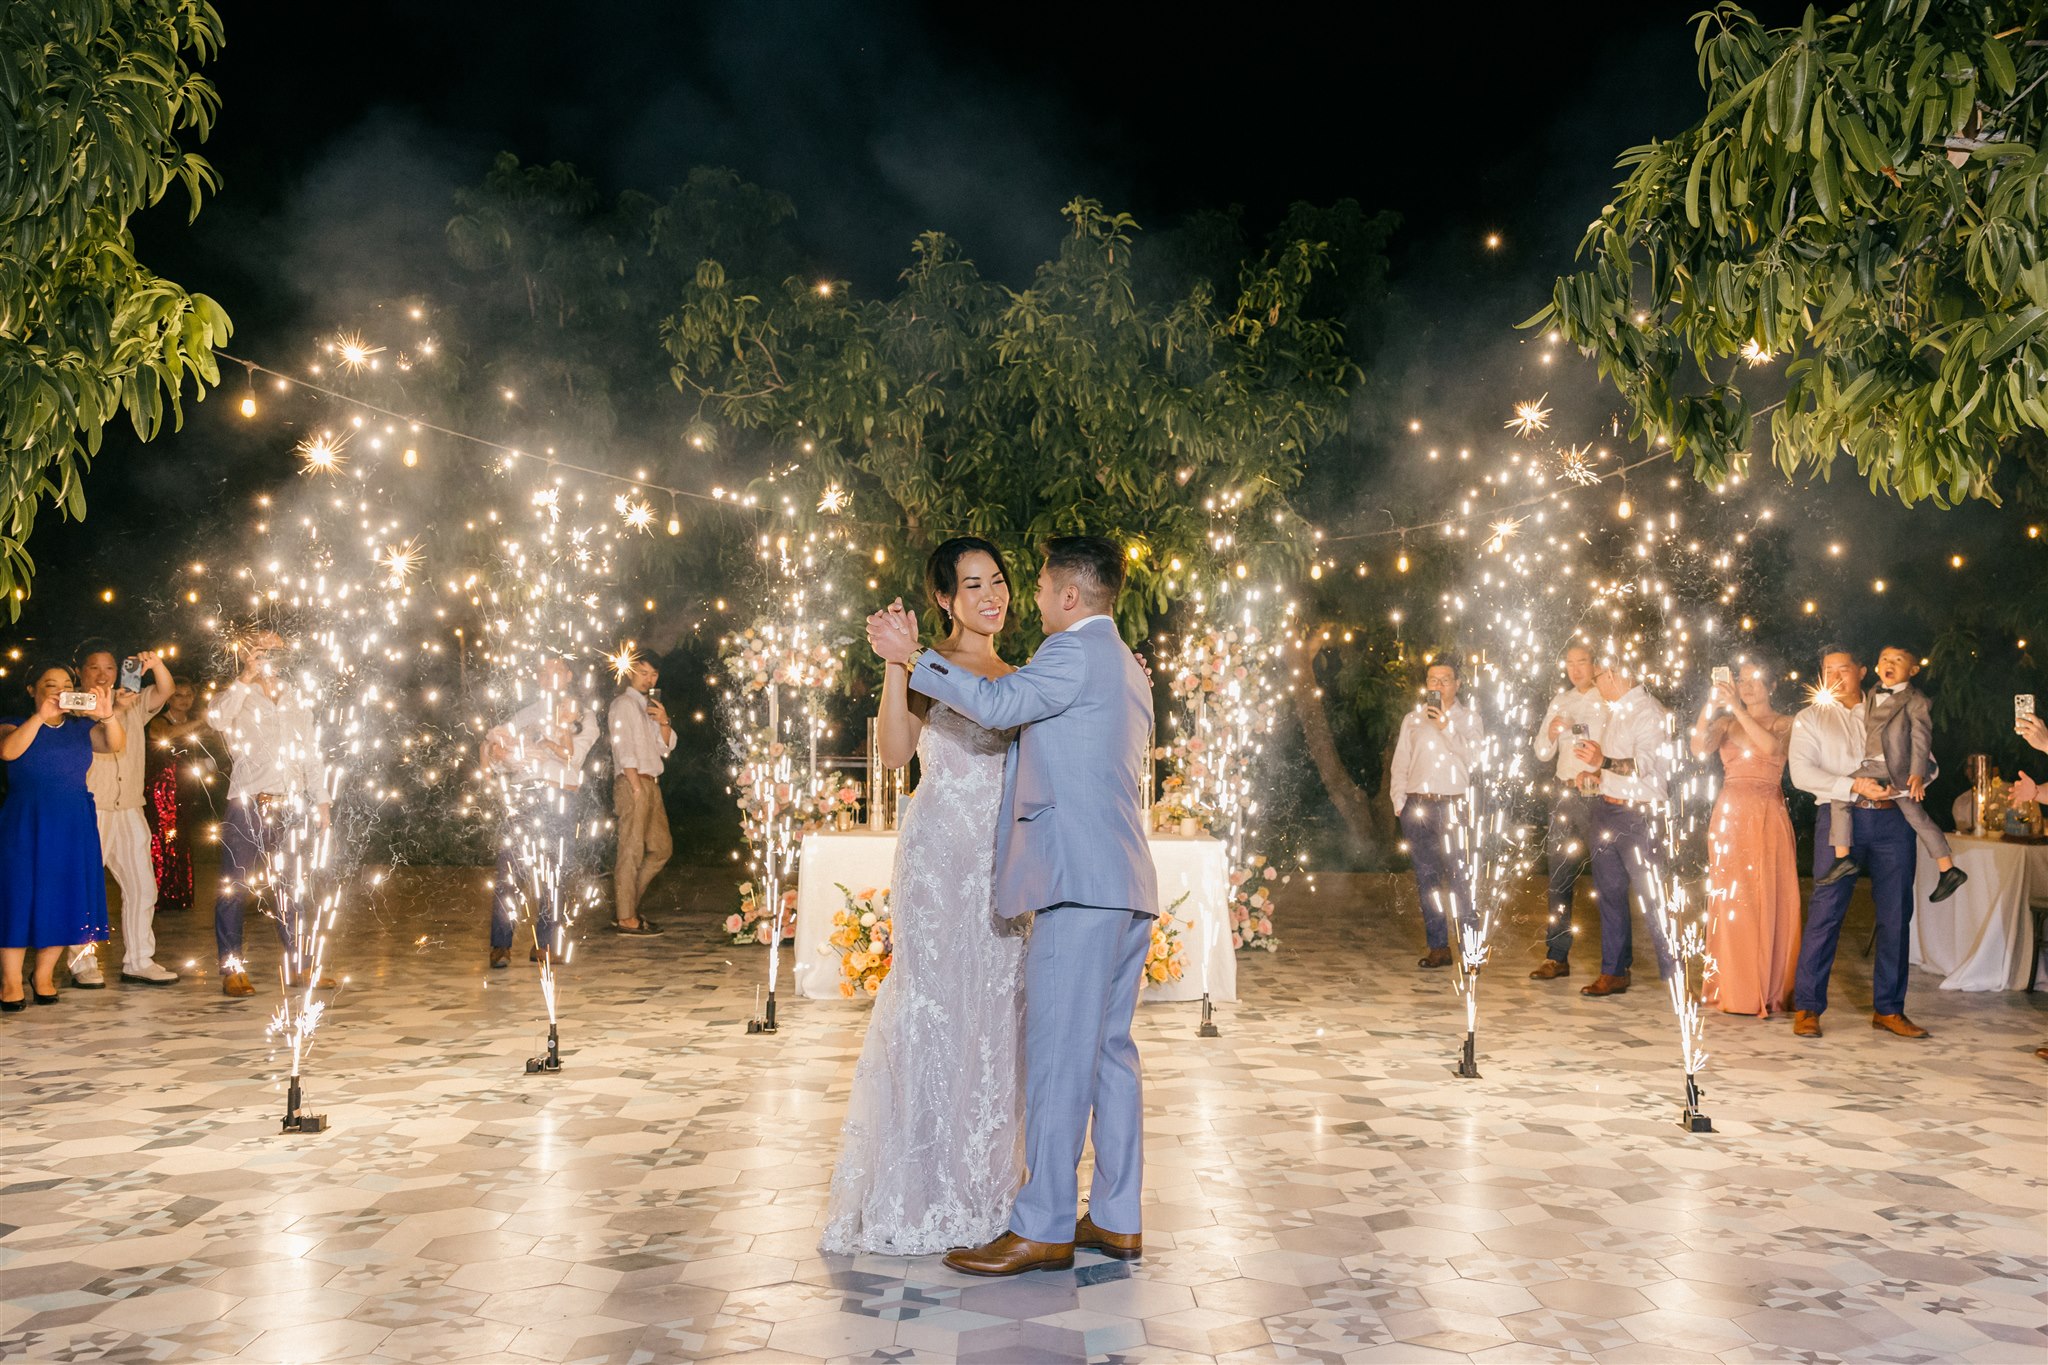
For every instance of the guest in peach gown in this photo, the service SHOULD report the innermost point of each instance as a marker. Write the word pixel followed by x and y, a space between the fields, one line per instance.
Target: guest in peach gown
pixel 1753 868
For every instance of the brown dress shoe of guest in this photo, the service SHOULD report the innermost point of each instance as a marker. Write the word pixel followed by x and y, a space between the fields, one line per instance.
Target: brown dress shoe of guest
pixel 501 957
pixel 1805 1024
pixel 236 984
pixel 1899 1024
pixel 1437 957
pixel 1010 1254
pixel 1549 969
pixel 1604 984
pixel 1118 1246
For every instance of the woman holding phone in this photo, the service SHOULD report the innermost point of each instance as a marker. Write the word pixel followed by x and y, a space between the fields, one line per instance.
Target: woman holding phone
pixel 1753 865
pixel 52 893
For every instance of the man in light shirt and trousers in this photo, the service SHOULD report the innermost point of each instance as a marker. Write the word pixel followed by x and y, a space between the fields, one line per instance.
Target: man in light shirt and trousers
pixel 1576 712
pixel 1431 786
pixel 120 787
pixel 279 778
pixel 1828 744
pixel 540 751
pixel 1629 772
pixel 641 739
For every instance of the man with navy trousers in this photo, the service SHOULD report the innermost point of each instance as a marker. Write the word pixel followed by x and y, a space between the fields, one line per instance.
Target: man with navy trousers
pixel 1071 848
pixel 1827 747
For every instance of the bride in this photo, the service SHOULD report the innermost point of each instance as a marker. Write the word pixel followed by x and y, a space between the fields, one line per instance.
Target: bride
pixel 933 1147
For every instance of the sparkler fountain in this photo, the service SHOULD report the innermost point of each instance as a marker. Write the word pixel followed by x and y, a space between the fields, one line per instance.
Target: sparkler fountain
pixel 784 669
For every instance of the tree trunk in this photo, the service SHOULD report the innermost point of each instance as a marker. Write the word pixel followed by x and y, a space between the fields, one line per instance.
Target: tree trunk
pixel 1352 801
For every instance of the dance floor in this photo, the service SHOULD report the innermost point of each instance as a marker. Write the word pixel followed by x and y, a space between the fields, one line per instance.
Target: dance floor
pixel 1320 1187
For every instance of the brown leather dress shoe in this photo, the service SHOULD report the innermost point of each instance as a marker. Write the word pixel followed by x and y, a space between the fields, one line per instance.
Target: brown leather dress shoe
pixel 1549 969
pixel 1118 1246
pixel 501 957
pixel 1805 1024
pixel 236 984
pixel 1010 1254
pixel 1604 984
pixel 1436 957
pixel 1899 1024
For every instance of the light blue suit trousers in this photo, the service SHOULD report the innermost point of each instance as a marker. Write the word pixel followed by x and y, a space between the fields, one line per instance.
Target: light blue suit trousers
pixel 1081 980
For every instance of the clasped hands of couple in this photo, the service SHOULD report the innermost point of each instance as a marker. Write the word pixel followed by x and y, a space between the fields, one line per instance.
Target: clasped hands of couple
pixel 892 634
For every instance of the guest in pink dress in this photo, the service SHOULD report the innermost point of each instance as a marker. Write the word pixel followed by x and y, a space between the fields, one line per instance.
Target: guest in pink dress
pixel 1753 867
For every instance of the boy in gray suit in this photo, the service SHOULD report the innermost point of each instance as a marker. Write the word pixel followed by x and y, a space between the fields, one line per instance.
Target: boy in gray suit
pixel 1071 849
pixel 1899 737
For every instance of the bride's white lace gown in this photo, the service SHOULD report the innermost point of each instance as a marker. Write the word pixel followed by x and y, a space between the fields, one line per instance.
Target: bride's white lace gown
pixel 932 1152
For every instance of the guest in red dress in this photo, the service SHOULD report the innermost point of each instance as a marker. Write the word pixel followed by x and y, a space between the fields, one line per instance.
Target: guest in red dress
pixel 178 767
pixel 1753 867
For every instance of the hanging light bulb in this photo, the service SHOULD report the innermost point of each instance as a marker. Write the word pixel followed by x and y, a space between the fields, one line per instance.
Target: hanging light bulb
pixel 1401 562
pixel 249 407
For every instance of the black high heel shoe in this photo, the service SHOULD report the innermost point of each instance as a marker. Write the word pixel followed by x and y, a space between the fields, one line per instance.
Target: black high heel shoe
pixel 14 1006
pixel 42 999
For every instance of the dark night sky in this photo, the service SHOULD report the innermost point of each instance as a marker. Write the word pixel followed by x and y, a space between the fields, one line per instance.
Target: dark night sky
pixel 340 142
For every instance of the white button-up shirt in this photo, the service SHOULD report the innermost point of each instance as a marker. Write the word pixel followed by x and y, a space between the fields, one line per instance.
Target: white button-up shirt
pixel 1435 762
pixel 1636 727
pixel 541 720
pixel 1826 749
pixel 275 744
pixel 1577 708
pixel 117 781
pixel 636 739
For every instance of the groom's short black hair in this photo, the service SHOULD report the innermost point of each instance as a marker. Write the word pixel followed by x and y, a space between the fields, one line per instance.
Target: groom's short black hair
pixel 1094 564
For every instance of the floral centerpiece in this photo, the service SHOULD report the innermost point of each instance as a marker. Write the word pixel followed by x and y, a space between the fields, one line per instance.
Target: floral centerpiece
pixel 862 932
pixel 1251 905
pixel 1166 960
pixel 751 923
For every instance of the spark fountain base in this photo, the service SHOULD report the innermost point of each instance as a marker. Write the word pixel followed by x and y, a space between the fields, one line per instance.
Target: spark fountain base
pixel 296 1122
pixel 1690 1118
pixel 1207 1028
pixel 1468 1061
pixel 550 1063
pixel 766 1023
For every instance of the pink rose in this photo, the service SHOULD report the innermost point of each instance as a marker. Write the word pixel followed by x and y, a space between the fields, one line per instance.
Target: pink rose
pixel 732 924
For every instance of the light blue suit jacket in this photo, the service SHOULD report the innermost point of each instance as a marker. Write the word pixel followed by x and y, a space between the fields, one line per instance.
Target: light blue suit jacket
pixel 1072 828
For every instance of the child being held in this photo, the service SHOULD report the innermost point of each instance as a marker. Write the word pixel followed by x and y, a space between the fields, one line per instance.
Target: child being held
pixel 1896 700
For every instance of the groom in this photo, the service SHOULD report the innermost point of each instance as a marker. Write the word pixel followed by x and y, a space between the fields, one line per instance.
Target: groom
pixel 1070 845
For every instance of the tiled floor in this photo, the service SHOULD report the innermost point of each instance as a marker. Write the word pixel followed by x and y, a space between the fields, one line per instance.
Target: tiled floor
pixel 1321 1187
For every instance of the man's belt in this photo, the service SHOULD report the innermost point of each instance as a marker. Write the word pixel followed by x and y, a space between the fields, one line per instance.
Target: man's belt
pixel 1865 803
pixel 1434 796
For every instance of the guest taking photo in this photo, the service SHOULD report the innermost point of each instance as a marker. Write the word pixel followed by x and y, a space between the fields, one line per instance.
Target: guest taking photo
pixel 52 892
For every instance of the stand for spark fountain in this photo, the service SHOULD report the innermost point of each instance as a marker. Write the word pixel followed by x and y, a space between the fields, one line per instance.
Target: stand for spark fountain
pixel 1690 1118
pixel 1207 1028
pixel 294 1121
pixel 552 1061
pixel 765 1021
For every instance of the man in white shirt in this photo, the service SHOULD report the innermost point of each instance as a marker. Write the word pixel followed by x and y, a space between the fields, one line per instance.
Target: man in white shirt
pixel 1828 745
pixel 1574 714
pixel 1630 765
pixel 1430 786
pixel 119 786
pixel 641 738
pixel 538 754
pixel 279 784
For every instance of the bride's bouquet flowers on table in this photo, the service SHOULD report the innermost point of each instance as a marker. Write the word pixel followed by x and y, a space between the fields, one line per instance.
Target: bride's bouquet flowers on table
pixel 862 933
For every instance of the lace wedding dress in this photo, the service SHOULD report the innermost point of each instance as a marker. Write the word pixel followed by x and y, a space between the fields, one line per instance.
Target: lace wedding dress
pixel 932 1152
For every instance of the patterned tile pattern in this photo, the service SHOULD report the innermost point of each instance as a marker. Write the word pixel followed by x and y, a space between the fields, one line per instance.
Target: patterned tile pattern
pixel 1321 1187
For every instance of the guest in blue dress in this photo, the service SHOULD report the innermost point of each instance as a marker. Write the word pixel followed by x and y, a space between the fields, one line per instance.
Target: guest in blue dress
pixel 52 892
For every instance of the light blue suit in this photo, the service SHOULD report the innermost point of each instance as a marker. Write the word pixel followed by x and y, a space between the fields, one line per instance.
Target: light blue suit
pixel 1071 845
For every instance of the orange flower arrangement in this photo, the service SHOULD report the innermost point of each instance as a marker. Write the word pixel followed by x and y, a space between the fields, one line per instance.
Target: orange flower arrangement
pixel 863 934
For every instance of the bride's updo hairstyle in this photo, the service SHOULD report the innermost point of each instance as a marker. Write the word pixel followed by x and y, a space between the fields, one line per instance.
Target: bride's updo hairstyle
pixel 942 570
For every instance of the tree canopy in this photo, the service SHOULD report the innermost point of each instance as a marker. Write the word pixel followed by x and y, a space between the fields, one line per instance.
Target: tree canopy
pixel 1150 403
pixel 1863 201
pixel 97 96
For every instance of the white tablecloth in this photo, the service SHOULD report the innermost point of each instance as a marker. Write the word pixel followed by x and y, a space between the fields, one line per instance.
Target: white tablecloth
pixel 1981 938
pixel 862 861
